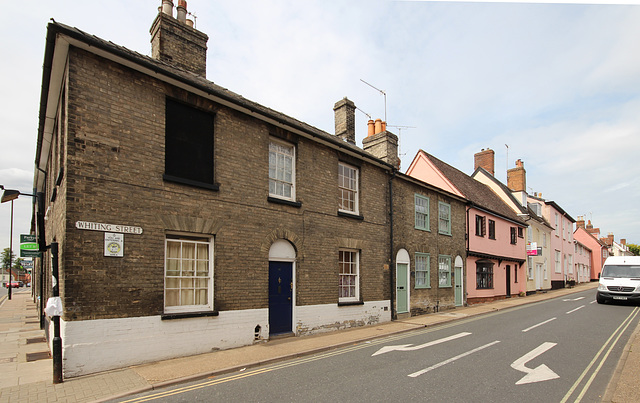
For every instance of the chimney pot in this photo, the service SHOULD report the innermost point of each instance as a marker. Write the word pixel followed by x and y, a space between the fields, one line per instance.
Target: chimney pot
pixel 371 130
pixel 182 11
pixel 378 126
pixel 167 7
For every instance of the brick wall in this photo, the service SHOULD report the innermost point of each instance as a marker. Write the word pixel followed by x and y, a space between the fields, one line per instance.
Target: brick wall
pixel 114 175
pixel 413 240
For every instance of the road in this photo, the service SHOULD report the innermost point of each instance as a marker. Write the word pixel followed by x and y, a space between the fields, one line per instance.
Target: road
pixel 563 349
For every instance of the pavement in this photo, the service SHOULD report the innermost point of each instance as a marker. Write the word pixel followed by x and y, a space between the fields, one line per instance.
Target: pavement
pixel 26 368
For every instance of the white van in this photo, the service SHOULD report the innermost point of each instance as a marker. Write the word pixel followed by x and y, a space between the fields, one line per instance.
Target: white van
pixel 620 279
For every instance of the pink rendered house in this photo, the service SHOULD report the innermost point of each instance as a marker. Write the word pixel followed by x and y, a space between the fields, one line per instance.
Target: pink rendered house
pixel 599 250
pixel 496 246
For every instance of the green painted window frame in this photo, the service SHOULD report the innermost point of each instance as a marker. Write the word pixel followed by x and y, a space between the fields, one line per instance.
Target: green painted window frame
pixel 446 272
pixel 420 269
pixel 447 229
pixel 421 217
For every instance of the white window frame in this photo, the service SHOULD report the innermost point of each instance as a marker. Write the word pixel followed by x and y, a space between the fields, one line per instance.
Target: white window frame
pixel 444 269
pixel 423 270
pixel 278 149
pixel 354 266
pixel 421 209
pixel 345 188
pixel 558 268
pixel 188 240
pixel 447 230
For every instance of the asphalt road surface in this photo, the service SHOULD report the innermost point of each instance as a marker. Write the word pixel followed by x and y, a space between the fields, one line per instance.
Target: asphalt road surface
pixel 560 350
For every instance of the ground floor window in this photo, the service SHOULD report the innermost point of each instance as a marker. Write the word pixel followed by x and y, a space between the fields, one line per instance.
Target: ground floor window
pixel 349 283
pixel 423 278
pixel 484 274
pixel 444 271
pixel 188 279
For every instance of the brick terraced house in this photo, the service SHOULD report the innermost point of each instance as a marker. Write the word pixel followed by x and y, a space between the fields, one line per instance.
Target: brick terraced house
pixel 191 219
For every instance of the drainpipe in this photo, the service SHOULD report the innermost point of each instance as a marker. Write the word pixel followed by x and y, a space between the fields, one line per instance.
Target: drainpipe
pixel 391 248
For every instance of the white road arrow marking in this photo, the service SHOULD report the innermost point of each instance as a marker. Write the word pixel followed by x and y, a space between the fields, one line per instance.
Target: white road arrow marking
pixel 574 299
pixel 457 357
pixel 408 347
pixel 573 310
pixel 539 374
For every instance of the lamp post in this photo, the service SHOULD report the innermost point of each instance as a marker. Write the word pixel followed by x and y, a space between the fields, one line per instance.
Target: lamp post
pixel 10 195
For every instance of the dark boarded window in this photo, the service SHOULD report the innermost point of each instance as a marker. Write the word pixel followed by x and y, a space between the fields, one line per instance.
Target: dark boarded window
pixel 188 145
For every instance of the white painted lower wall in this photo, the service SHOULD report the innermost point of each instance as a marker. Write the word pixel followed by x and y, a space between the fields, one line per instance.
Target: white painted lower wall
pixel 91 346
pixel 312 319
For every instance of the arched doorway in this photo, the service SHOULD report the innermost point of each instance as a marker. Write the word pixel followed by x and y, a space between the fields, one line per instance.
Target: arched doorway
pixel 282 257
pixel 403 264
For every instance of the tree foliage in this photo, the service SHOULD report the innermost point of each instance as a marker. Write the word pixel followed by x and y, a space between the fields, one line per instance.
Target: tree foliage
pixel 633 248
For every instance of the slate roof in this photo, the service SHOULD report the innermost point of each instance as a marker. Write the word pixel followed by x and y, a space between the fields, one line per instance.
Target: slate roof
pixel 54 28
pixel 479 194
pixel 509 194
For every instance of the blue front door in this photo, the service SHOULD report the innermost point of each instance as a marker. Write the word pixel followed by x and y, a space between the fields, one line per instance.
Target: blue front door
pixel 280 297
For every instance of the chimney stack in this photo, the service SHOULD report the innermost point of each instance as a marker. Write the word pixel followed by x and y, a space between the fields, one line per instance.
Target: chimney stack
pixel 380 143
pixel 345 120
pixel 517 178
pixel 486 160
pixel 623 241
pixel 175 41
pixel 580 222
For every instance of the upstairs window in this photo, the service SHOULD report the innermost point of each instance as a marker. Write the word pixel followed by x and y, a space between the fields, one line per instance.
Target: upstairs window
pixel 422 212
pixel 444 218
pixel 514 237
pixel 348 188
pixel 480 225
pixel 188 145
pixel 492 229
pixel 281 170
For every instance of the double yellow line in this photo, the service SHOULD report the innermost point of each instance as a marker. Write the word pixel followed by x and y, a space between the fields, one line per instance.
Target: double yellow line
pixel 258 371
pixel 600 357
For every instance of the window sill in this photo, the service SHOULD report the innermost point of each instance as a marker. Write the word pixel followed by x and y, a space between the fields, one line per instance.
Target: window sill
pixel 276 200
pixel 422 288
pixel 183 181
pixel 422 229
pixel 350 303
pixel 185 315
pixel 445 233
pixel 350 215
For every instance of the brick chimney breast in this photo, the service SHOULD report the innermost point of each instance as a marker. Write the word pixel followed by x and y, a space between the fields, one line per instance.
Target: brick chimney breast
pixel 517 178
pixel 176 43
pixel 486 160
pixel 345 120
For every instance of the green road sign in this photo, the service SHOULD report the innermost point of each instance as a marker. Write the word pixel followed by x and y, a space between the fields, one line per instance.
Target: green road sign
pixel 29 246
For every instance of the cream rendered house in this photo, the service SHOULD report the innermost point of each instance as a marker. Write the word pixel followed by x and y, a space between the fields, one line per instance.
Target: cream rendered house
pixel 539 231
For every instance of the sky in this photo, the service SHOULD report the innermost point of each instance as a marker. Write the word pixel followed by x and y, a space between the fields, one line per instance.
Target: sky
pixel 555 85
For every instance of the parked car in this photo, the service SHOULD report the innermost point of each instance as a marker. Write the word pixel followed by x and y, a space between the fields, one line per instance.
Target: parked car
pixel 13 284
